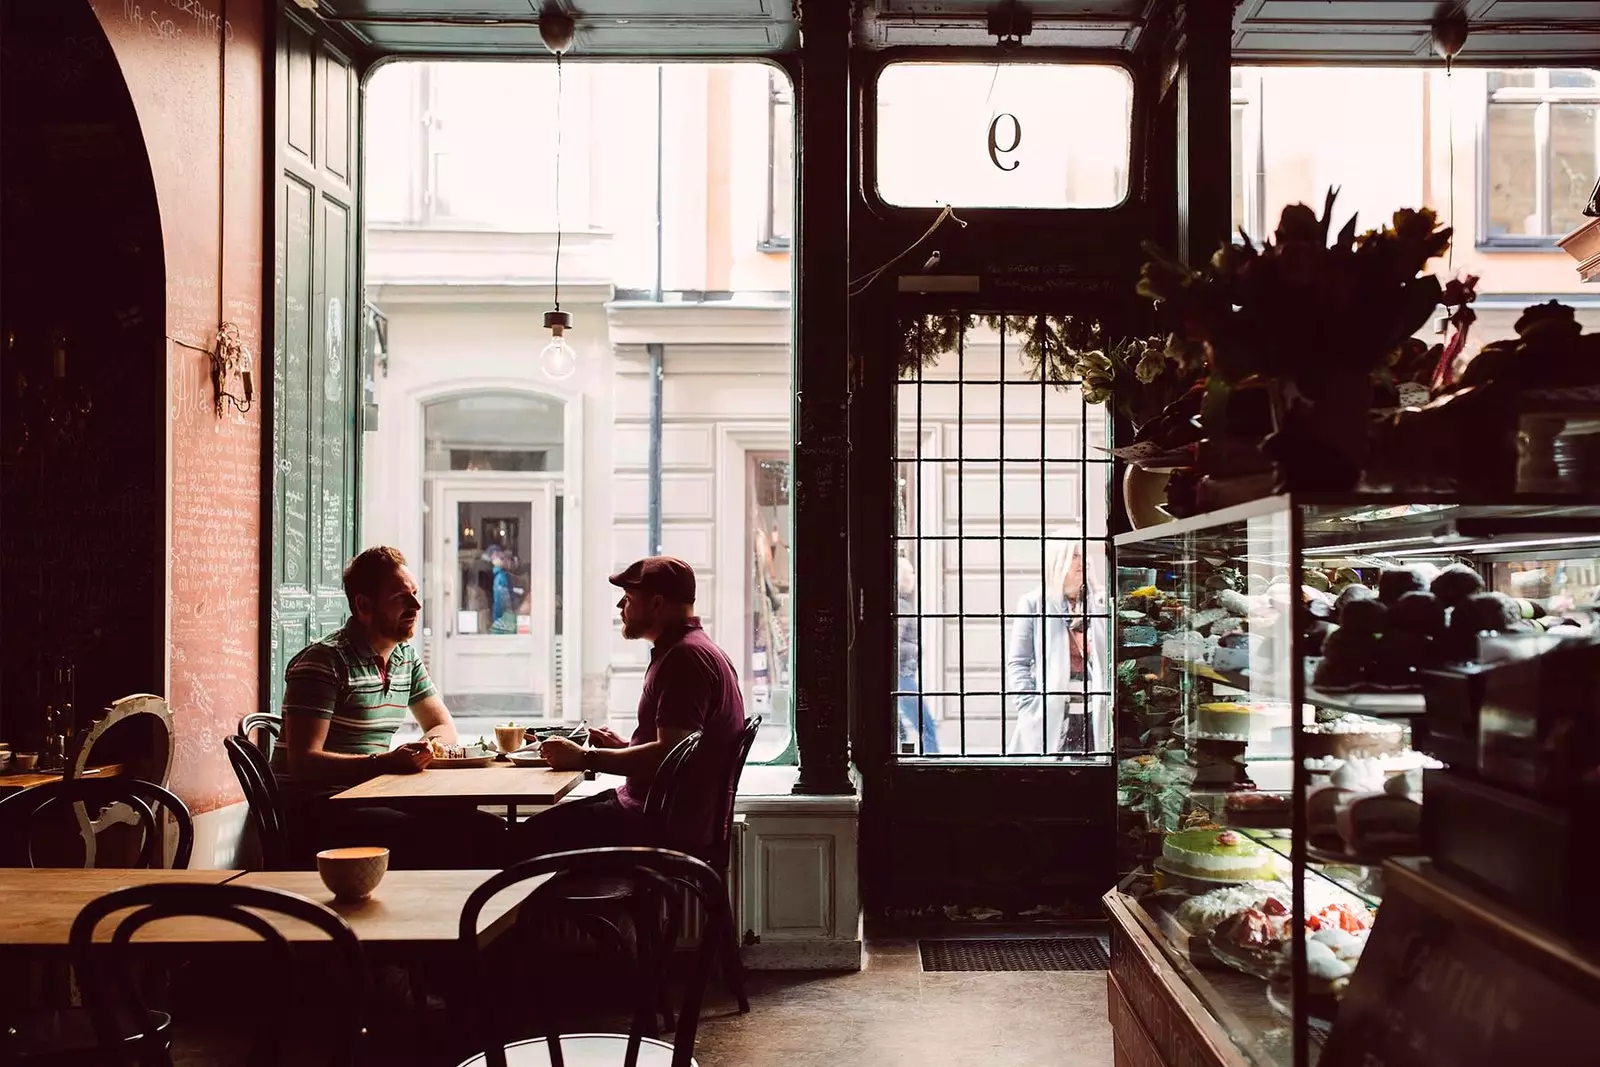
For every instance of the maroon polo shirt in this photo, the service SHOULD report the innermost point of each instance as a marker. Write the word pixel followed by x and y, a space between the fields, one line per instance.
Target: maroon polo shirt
pixel 690 685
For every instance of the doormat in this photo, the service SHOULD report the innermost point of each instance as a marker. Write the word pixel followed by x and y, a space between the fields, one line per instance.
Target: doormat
pixel 1015 954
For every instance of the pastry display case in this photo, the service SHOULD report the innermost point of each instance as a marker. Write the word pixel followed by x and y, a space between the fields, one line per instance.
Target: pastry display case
pixel 1291 675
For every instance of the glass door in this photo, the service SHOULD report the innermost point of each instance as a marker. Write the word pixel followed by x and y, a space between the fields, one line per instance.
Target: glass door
pixel 496 593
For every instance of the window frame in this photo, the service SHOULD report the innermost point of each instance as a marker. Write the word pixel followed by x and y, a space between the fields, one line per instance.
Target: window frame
pixel 1248 98
pixel 867 127
pixel 1541 96
pixel 780 91
pixel 930 538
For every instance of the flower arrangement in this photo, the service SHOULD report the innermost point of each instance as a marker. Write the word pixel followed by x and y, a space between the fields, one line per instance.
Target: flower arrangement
pixel 1137 377
pixel 1321 320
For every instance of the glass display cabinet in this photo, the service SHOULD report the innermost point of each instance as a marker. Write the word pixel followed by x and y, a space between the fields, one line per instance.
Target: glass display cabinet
pixel 1274 667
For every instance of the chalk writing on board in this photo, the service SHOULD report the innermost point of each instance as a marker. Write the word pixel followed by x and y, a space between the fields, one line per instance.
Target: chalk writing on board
pixel 334 361
pixel 176 20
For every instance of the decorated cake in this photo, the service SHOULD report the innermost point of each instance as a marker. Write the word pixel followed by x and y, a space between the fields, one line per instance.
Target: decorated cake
pixel 1225 719
pixel 1352 735
pixel 1218 855
pixel 1229 720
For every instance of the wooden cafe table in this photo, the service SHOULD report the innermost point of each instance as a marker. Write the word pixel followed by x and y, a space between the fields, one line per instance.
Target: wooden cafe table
pixel 411 914
pixel 37 905
pixel 495 784
pixel 17 781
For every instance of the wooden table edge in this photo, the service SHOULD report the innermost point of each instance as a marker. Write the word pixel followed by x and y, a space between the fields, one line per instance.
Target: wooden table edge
pixel 383 950
pixel 520 800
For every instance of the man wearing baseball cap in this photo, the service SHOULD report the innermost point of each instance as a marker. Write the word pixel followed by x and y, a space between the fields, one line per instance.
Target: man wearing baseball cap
pixel 690 685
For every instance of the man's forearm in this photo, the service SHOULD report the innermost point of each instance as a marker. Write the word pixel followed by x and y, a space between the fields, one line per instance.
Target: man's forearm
pixel 635 759
pixel 330 767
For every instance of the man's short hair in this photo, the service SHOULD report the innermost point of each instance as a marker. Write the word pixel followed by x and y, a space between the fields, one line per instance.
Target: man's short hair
pixel 365 575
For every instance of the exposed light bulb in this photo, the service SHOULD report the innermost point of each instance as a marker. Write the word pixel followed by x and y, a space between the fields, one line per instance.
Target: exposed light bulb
pixel 558 360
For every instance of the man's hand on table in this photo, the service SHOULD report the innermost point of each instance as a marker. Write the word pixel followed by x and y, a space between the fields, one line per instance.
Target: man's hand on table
pixel 605 737
pixel 562 755
pixel 407 759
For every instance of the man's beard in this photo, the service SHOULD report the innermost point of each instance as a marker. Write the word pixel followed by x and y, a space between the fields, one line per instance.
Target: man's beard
pixel 399 629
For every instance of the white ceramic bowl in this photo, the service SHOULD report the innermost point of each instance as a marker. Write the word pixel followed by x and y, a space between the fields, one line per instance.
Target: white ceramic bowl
pixel 353 873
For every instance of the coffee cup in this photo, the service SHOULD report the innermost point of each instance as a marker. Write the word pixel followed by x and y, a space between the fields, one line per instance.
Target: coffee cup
pixel 25 761
pixel 352 873
pixel 510 737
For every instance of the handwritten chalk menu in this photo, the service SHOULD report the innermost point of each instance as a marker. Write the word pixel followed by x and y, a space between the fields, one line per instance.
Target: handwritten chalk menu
pixel 1437 990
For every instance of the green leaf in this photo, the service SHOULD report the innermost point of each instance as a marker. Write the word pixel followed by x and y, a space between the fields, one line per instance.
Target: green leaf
pixel 1327 212
pixel 1347 236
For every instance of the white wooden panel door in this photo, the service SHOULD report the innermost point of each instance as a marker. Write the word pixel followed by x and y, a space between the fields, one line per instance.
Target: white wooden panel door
pixel 496 575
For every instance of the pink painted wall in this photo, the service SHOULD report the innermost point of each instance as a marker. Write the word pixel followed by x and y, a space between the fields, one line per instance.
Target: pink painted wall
pixel 194 71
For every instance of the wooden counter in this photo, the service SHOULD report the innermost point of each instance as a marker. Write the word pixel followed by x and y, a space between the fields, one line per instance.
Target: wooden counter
pixel 1157 1020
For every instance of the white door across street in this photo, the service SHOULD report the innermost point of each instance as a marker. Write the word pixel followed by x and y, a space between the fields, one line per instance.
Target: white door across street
pixel 491 586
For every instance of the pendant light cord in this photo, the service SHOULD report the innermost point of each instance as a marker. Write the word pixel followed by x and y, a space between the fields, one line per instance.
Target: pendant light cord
pixel 558 183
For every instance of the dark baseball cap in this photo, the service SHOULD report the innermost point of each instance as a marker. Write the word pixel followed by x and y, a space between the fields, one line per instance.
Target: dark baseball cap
pixel 665 576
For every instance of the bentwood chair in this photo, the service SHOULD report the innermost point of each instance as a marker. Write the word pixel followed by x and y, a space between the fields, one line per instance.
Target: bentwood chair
pixel 125 1027
pixel 261 802
pixel 24 813
pixel 595 904
pixel 66 1035
pixel 721 855
pixel 262 730
pixel 651 873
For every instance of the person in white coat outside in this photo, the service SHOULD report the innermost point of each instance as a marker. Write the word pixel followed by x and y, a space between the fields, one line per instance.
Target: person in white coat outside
pixel 1055 661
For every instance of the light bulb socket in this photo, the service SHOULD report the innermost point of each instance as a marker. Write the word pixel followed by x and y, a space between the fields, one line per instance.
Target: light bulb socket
pixel 556 28
pixel 558 321
pixel 1449 31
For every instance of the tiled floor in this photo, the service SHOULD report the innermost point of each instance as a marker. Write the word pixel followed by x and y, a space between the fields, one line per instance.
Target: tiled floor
pixel 891 1014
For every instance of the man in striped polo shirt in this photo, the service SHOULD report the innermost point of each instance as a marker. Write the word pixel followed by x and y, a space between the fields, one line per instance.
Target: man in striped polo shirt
pixel 344 697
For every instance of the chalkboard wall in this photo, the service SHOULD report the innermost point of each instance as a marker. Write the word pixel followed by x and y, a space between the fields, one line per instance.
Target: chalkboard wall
pixel 82 493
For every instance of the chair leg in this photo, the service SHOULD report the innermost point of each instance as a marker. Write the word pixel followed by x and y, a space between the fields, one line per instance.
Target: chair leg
pixel 733 971
pixel 654 952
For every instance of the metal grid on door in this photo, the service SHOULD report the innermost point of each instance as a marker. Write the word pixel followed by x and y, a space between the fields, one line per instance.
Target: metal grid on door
pixel 1002 546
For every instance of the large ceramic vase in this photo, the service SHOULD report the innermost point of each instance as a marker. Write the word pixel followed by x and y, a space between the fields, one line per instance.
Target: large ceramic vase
pixel 1143 494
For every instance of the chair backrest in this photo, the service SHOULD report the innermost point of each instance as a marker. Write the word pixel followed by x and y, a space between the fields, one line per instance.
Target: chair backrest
pixel 718 856
pixel 261 800
pixel 666 805
pixel 109 979
pixel 22 812
pixel 135 732
pixel 654 872
pixel 261 730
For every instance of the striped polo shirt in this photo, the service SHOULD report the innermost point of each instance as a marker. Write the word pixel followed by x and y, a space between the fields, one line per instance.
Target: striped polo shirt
pixel 341 680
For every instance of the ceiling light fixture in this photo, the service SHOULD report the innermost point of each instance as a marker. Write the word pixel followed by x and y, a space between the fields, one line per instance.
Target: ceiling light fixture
pixel 557 360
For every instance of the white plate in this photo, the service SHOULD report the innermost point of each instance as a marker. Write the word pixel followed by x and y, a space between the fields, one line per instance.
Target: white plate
pixel 526 758
pixel 464 761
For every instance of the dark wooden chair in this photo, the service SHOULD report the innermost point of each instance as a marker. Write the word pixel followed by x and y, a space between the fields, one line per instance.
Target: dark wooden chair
pixel 23 813
pixel 594 905
pixel 650 873
pixel 261 801
pixel 135 734
pixel 123 1024
pixel 720 856
pixel 66 1035
pixel 262 730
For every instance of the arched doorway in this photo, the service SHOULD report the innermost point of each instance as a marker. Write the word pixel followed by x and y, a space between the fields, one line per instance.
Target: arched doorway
pixel 83 401
pixel 494 558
